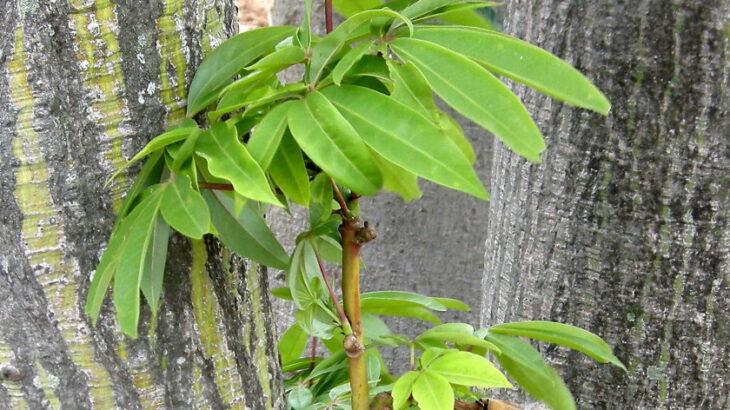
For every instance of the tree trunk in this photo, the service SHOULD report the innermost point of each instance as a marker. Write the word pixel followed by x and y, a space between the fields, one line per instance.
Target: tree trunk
pixel 83 85
pixel 624 227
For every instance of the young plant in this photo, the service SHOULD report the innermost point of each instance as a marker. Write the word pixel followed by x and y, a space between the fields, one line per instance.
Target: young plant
pixel 361 119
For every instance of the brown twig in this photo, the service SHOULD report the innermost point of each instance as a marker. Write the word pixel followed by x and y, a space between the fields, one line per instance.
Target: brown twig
pixel 331 291
pixel 340 199
pixel 328 22
pixel 215 186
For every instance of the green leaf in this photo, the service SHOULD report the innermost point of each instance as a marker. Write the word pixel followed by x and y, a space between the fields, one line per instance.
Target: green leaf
pixel 161 141
pixel 522 62
pixel 279 59
pixel 398 180
pixel 289 171
pixel 184 151
pixel 227 60
pixel 468 369
pixel 106 268
pixel 433 392
pixel 304 33
pixel 349 7
pixel 227 158
pixel 295 280
pixel 154 271
pixel 453 304
pixel 401 309
pixel 276 94
pixel 324 51
pixel 405 137
pixel 322 194
pixel 430 355
pixel 281 293
pixel 331 142
pixel 475 93
pixel 316 322
pixel 526 366
pixel 564 335
pixel 465 15
pixel 246 232
pixel 458 333
pixel 128 277
pixel 372 364
pixel 241 92
pixel 425 7
pixel 148 175
pixel 371 66
pixel 402 389
pixel 411 88
pixel 267 135
pixel 299 398
pixel 374 298
pixel 348 60
pixel 453 130
pixel 292 343
pixel 184 209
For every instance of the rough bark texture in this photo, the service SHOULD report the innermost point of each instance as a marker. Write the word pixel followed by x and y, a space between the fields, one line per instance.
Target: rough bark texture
pixel 431 246
pixel 83 85
pixel 624 228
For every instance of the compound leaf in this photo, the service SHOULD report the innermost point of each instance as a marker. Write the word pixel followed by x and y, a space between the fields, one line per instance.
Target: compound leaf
pixel 474 92
pixel 526 366
pixel 227 158
pixel 128 277
pixel 433 392
pixel 154 271
pixel 468 369
pixel 184 208
pixel 405 137
pixel 520 61
pixel 564 335
pixel 267 135
pixel 331 142
pixel 245 232
pixel 227 60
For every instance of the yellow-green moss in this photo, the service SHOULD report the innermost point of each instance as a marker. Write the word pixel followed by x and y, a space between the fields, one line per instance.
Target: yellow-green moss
pixel 43 232
pixel 49 383
pixel 172 59
pixel 100 59
pixel 15 391
pixel 210 329
pixel 260 349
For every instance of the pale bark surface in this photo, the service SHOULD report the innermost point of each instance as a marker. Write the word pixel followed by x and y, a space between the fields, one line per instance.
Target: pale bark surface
pixel 624 228
pixel 84 84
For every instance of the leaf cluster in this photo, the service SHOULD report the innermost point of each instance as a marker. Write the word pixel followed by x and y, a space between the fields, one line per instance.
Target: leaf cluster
pixel 362 118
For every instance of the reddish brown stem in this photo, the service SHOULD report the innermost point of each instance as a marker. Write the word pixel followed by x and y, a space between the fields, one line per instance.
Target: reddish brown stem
pixel 331 291
pixel 328 23
pixel 216 187
pixel 340 199
pixel 354 344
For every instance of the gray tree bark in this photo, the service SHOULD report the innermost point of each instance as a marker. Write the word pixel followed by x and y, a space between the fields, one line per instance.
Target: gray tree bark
pixel 83 85
pixel 624 228
pixel 430 246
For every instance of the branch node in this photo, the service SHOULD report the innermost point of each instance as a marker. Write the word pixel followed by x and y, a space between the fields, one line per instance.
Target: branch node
pixel 353 348
pixel 365 234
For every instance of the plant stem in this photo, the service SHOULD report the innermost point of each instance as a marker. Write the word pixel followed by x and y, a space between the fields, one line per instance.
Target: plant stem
pixel 354 344
pixel 328 283
pixel 216 186
pixel 328 15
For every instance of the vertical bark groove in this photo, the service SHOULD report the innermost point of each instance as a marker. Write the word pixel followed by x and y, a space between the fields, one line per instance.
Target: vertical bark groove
pixel 83 85
pixel 624 228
